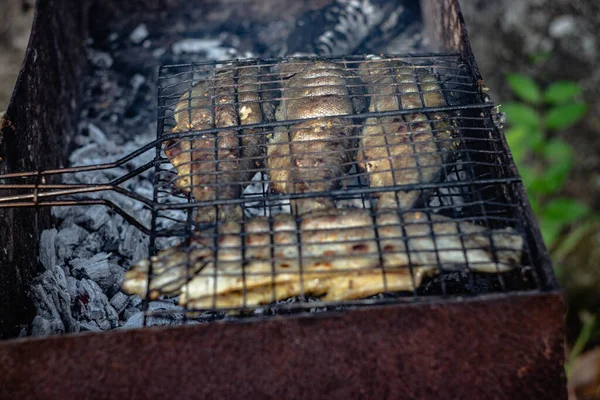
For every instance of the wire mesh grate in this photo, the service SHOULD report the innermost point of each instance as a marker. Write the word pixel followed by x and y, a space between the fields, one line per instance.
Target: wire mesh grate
pixel 317 183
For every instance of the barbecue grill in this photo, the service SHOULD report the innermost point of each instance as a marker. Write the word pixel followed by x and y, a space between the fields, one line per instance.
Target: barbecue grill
pixel 509 312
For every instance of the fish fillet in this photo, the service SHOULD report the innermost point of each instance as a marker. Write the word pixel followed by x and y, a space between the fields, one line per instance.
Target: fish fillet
pixel 401 150
pixel 340 257
pixel 337 247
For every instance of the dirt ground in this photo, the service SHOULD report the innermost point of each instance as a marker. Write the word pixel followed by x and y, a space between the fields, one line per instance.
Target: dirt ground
pixel 16 17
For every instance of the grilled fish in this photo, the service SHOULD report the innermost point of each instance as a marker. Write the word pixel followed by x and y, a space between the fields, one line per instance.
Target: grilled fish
pixel 313 156
pixel 402 151
pixel 342 255
pixel 219 174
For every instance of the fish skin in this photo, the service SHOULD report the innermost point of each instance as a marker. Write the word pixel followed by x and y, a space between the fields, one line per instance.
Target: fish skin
pixel 314 155
pixel 340 257
pixel 239 155
pixel 402 150
pixel 435 241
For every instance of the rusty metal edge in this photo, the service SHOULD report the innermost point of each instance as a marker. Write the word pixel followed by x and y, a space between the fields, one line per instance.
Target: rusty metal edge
pixel 43 107
pixel 501 347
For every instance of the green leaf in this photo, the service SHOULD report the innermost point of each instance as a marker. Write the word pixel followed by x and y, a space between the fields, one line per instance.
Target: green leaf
pixel 525 88
pixel 564 116
pixel 558 157
pixel 545 184
pixel 516 137
pixel 558 150
pixel 565 210
pixel 521 114
pixel 550 231
pixel 522 139
pixel 557 214
pixel 562 92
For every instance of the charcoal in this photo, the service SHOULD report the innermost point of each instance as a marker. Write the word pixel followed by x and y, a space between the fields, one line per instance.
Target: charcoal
pixel 134 244
pixel 93 218
pixel 137 320
pixel 92 304
pixel 62 213
pixel 134 321
pixel 96 268
pixel 129 312
pixel 139 34
pixel 110 232
pixel 117 269
pixel 42 327
pixel 84 155
pixel 115 288
pixel 72 287
pixel 158 53
pixel 98 137
pixel 90 326
pixel 51 297
pixel 46 307
pixel 135 301
pixel 89 247
pixel 164 305
pixel 67 239
pixel 136 81
pixel 119 301
pixel 48 248
pixel 100 59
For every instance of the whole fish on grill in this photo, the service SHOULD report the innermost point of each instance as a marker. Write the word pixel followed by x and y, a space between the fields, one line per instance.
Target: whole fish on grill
pixel 216 166
pixel 340 258
pixel 399 150
pixel 341 254
pixel 314 156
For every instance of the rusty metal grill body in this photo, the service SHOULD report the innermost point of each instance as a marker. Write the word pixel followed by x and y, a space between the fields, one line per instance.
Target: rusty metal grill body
pixel 460 334
pixel 475 184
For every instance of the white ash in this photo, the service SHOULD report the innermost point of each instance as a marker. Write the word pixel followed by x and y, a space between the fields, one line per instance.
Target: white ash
pixel 139 34
pixel 86 255
pixel 166 314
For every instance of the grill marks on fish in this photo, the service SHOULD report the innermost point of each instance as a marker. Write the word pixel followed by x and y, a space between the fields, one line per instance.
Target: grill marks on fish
pixel 403 150
pixel 315 155
pixel 339 257
pixel 215 166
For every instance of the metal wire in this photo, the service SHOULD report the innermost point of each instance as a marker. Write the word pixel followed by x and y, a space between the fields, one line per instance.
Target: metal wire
pixel 209 165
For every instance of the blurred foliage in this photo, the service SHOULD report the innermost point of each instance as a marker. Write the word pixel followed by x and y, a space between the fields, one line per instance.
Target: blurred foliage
pixel 545 162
